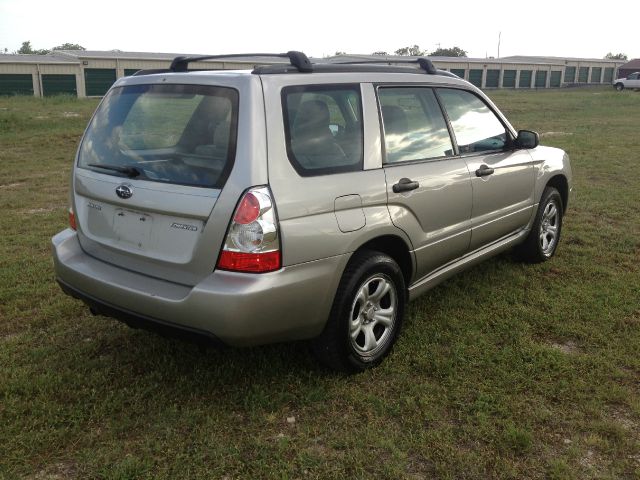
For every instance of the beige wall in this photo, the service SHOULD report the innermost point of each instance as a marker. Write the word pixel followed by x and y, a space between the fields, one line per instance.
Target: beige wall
pixel 120 65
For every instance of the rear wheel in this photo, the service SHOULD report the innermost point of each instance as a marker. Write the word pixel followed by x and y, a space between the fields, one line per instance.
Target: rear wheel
pixel 542 242
pixel 366 315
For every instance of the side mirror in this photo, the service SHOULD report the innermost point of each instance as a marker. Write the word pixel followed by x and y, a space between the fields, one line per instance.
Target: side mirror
pixel 527 139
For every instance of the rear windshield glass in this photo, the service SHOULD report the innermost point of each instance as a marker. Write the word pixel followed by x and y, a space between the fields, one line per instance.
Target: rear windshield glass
pixel 181 134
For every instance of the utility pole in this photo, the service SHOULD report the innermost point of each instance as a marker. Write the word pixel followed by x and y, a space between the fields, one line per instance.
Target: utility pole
pixel 499 36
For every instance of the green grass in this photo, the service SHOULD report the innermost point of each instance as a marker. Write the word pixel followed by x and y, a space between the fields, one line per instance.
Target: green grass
pixel 505 371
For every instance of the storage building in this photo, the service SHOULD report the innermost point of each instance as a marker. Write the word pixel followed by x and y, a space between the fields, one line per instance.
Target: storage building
pixel 91 73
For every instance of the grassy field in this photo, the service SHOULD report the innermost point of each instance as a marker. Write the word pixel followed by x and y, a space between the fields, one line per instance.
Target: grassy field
pixel 505 371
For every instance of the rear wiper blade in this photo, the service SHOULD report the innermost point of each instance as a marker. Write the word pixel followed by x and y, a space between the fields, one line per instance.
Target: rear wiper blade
pixel 128 171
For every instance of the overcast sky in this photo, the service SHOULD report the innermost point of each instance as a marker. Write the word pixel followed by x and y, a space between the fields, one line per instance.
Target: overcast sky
pixel 319 28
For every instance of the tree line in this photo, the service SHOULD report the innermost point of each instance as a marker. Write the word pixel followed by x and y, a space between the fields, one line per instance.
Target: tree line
pixel 416 51
pixel 27 49
pixel 413 50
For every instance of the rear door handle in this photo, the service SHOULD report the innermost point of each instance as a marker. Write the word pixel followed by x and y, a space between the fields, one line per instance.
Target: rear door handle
pixel 484 170
pixel 405 185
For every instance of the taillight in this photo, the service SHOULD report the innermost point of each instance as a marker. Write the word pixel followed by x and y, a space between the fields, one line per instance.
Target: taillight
pixel 72 220
pixel 252 243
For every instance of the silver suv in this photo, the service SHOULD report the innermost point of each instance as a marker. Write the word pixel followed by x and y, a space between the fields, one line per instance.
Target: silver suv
pixel 298 201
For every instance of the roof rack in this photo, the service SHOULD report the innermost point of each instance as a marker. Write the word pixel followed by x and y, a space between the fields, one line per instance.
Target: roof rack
pixel 424 63
pixel 371 65
pixel 299 62
pixel 297 59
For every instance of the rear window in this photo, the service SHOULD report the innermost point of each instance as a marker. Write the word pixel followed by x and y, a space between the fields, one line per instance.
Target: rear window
pixel 181 134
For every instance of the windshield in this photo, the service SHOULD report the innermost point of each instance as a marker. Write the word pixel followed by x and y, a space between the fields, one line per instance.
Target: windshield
pixel 182 134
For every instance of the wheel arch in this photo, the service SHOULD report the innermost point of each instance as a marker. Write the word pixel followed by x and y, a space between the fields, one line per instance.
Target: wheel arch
pixel 560 183
pixel 397 249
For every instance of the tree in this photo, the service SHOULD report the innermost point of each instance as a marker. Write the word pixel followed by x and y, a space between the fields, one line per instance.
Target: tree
pixel 616 56
pixel 27 49
pixel 413 51
pixel 449 52
pixel 380 53
pixel 69 46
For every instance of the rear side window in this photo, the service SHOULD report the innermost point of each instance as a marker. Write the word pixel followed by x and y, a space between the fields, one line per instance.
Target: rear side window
pixel 323 128
pixel 476 127
pixel 414 128
pixel 181 134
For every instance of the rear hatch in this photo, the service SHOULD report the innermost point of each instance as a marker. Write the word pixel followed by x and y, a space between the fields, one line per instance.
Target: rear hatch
pixel 150 170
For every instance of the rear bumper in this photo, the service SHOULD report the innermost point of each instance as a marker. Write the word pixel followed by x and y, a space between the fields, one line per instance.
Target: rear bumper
pixel 238 309
pixel 136 320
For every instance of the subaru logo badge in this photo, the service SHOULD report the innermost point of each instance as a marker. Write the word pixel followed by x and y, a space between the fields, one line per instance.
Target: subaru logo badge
pixel 124 191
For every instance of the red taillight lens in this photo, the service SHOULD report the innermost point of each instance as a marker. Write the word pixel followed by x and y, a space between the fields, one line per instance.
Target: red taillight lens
pixel 249 262
pixel 252 243
pixel 72 220
pixel 248 211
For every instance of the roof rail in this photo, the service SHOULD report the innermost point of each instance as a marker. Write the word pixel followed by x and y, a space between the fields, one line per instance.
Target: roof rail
pixel 150 71
pixel 297 59
pixel 424 63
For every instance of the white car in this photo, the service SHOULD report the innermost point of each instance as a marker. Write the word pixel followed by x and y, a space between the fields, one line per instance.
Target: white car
pixel 632 81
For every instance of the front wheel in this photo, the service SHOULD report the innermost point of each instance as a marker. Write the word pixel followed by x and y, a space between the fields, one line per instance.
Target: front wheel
pixel 542 242
pixel 366 315
pixel 619 87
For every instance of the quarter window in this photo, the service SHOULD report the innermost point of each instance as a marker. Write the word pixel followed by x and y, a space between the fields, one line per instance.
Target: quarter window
pixel 476 127
pixel 414 128
pixel 323 128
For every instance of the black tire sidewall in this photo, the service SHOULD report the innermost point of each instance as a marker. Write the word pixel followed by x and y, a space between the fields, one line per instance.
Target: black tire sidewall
pixel 550 194
pixel 362 269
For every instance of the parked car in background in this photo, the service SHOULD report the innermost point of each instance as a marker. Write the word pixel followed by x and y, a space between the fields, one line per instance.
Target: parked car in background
pixel 631 81
pixel 298 201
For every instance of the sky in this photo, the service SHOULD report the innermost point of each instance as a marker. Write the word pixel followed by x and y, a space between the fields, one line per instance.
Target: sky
pixel 542 28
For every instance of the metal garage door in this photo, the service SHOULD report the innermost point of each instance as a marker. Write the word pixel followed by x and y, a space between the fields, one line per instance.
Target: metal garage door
pixel 541 79
pixel 475 77
pixel 608 75
pixel 555 79
pixel 596 74
pixel 569 74
pixel 130 71
pixel 493 79
pixel 458 71
pixel 525 79
pixel 583 74
pixel 55 84
pixel 98 80
pixel 509 78
pixel 16 84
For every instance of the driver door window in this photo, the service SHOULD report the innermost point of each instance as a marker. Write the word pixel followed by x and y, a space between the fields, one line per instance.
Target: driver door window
pixel 476 127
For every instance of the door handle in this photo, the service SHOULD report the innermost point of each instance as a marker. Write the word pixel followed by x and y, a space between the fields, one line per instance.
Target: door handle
pixel 484 170
pixel 405 185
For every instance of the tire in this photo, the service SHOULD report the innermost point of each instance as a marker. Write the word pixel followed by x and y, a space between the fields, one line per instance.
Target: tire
pixel 619 87
pixel 542 242
pixel 366 315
